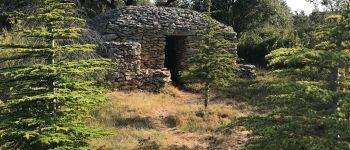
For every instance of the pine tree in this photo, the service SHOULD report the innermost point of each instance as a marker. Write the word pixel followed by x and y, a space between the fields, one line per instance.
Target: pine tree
pixel 48 97
pixel 310 111
pixel 212 64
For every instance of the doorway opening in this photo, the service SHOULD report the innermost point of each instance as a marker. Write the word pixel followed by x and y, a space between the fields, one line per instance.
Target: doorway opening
pixel 175 48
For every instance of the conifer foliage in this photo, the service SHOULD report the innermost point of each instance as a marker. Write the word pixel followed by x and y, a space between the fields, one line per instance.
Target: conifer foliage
pixel 47 99
pixel 312 102
pixel 212 64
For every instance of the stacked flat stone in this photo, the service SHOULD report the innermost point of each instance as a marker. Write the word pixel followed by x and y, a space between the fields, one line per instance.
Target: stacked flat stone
pixel 246 71
pixel 128 74
pixel 143 32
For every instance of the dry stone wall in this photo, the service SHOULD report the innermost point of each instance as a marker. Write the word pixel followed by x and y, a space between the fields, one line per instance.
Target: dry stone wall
pixel 136 38
pixel 246 71
pixel 128 74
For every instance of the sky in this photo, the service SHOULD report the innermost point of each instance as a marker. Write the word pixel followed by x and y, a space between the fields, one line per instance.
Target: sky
pixel 300 5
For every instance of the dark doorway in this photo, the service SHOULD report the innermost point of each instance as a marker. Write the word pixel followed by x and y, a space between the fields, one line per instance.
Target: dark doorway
pixel 174 50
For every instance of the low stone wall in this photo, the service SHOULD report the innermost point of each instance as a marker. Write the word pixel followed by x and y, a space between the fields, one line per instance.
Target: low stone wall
pixel 246 71
pixel 128 74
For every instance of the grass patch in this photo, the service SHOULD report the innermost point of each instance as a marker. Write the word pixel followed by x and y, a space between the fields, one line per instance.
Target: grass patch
pixel 193 118
pixel 127 138
pixel 171 119
pixel 244 96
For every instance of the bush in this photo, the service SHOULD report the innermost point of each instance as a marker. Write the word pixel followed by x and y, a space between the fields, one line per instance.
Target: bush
pixel 255 44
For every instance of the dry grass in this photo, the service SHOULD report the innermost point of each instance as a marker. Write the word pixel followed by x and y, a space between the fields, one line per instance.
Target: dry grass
pixel 170 119
pixel 127 138
pixel 193 118
pixel 265 75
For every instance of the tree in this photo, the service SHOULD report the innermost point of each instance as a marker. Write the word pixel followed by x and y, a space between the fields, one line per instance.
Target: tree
pixel 173 3
pixel 211 64
pixel 88 8
pixel 267 22
pixel 10 6
pixel 94 7
pixel 310 111
pixel 304 26
pixel 245 15
pixel 168 2
pixel 255 44
pixel 331 5
pixel 49 97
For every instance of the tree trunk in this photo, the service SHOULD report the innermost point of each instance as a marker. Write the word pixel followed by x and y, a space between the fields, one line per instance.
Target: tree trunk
pixel 51 86
pixel 345 75
pixel 207 95
pixel 333 79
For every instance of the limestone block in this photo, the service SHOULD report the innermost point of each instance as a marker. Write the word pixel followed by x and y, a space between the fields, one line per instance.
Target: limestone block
pixel 246 71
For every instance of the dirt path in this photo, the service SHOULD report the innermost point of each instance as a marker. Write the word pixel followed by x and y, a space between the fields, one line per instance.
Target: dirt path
pixel 171 120
pixel 167 125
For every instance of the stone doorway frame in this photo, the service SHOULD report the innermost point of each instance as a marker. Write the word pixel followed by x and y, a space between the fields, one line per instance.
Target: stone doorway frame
pixel 176 47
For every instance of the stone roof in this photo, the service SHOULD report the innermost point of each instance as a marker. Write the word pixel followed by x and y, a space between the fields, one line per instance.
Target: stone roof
pixel 168 21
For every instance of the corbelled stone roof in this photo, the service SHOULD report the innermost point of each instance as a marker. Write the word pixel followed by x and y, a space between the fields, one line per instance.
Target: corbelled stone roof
pixel 165 20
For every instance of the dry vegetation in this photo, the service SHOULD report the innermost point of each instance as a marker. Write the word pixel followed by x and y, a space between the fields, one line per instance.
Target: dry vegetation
pixel 171 119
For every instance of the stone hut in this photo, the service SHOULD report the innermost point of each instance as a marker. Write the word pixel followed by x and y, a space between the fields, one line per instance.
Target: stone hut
pixel 149 44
